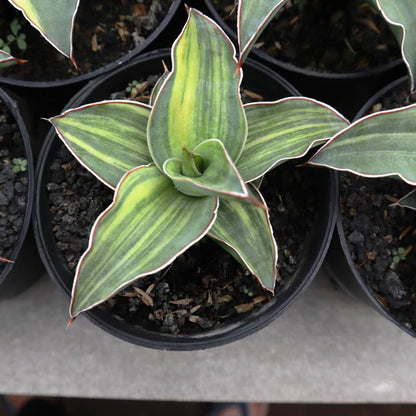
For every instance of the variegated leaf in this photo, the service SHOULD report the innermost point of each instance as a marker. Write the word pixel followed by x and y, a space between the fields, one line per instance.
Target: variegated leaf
pixel 219 176
pixel 246 230
pixel 401 14
pixel 5 57
pixel 200 99
pixel 382 144
pixel 157 87
pixel 146 227
pixel 285 129
pixel 253 17
pixel 108 138
pixel 409 200
pixel 54 19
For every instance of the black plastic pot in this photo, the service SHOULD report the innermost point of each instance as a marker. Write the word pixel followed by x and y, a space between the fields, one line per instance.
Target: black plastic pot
pixel 338 262
pixel 47 96
pixel 347 92
pixel 264 82
pixel 16 277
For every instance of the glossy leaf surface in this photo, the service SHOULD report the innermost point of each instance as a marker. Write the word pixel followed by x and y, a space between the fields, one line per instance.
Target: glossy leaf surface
pixel 108 138
pixel 200 99
pixel 245 228
pixel 146 227
pixel 284 130
pixel 382 144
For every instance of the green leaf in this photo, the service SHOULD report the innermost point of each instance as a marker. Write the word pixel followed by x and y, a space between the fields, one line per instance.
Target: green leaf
pixel 408 201
pixel 245 228
pixel 219 178
pixel 401 14
pixel 158 86
pixel 253 17
pixel 146 227
pixel 108 138
pixel 285 129
pixel 200 99
pixel 6 57
pixel 53 19
pixel 382 144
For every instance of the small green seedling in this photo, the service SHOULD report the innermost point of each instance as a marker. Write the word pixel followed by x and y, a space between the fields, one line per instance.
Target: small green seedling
pixel 15 37
pixel 20 165
pixel 399 255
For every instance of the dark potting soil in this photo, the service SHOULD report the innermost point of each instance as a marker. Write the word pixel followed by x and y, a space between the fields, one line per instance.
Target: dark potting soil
pixel 376 231
pixel 13 185
pixel 205 286
pixel 328 36
pixel 104 31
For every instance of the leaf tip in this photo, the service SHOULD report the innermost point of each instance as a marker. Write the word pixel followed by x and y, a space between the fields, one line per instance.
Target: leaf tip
pixel 70 322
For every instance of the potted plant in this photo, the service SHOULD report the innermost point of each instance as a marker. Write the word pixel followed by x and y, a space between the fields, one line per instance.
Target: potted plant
pixel 371 255
pixel 19 263
pixel 342 67
pixel 197 183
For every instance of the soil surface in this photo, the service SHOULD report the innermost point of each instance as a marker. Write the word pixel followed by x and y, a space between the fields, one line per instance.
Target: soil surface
pixel 13 185
pixel 104 31
pixel 377 232
pixel 328 36
pixel 205 286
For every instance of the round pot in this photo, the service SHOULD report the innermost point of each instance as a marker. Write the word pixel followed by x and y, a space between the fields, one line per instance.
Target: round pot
pixel 347 92
pixel 264 82
pixel 60 91
pixel 338 262
pixel 26 267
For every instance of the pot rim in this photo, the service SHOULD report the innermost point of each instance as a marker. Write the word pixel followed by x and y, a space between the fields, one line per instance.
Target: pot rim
pixel 213 338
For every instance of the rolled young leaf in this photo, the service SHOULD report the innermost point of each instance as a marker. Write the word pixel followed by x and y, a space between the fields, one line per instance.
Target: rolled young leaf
pixel 219 177
pixel 146 227
pixel 108 138
pixel 245 229
pixel 200 99
pixel 53 19
pixel 401 14
pixel 253 17
pixel 285 129
pixel 408 201
pixel 381 144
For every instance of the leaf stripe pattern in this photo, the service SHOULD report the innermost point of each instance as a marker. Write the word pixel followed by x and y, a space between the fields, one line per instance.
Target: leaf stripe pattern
pixel 246 229
pixel 149 221
pixel 108 138
pixel 53 19
pixel 277 133
pixel 382 144
pixel 200 99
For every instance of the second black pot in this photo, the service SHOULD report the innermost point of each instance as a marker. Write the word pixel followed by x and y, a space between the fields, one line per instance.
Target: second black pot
pixel 264 82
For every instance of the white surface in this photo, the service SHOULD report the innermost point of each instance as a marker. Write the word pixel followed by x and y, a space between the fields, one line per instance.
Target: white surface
pixel 325 348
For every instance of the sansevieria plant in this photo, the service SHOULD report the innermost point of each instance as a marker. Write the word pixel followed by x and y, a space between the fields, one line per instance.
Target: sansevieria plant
pixel 182 167
pixel 54 19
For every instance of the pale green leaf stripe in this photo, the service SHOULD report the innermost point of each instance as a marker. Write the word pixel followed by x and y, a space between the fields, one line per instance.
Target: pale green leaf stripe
pixel 285 129
pixel 245 228
pixel 219 178
pixel 54 19
pixel 402 14
pixel 200 99
pixel 146 227
pixel 409 201
pixel 108 138
pixel 382 144
pixel 253 17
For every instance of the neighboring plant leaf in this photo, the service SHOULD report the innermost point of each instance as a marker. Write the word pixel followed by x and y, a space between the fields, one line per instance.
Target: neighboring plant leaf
pixel 285 129
pixel 401 14
pixel 108 138
pixel 253 17
pixel 53 19
pixel 219 178
pixel 5 57
pixel 200 99
pixel 381 144
pixel 146 227
pixel 408 201
pixel 245 228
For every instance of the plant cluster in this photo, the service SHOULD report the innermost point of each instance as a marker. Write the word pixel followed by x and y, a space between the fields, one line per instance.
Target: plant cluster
pixel 19 164
pixel 14 37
